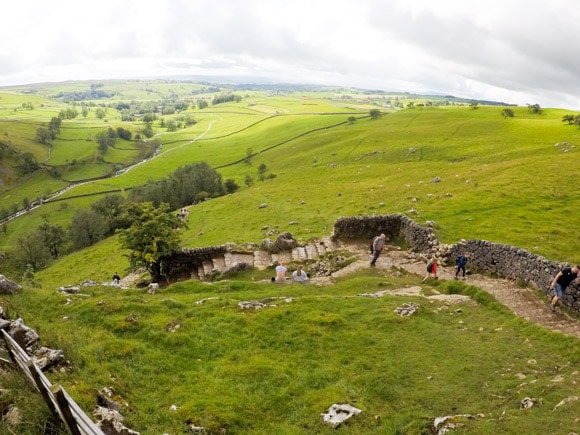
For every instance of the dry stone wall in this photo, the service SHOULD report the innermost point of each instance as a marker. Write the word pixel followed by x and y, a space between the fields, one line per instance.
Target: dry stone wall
pixel 501 260
pixel 505 261
pixel 397 227
pixel 516 264
pixel 191 263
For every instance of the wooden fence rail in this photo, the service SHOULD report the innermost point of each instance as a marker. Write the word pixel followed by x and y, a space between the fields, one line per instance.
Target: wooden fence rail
pixel 55 396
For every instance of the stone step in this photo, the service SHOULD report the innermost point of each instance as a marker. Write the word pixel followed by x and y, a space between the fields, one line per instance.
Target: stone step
pixel 261 260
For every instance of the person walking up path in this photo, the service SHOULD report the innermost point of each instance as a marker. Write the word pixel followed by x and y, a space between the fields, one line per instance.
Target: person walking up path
pixel 562 280
pixel 461 262
pixel 430 270
pixel 378 246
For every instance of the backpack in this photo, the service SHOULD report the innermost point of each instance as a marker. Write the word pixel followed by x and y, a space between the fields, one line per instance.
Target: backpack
pixel 429 267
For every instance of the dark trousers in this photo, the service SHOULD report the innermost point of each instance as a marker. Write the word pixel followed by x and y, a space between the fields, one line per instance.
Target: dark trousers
pixel 460 268
pixel 375 257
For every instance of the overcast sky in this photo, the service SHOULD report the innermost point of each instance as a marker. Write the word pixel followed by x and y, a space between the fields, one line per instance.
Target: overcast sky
pixel 515 51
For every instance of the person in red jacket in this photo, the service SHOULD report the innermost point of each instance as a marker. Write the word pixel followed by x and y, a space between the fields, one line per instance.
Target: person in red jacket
pixel 431 270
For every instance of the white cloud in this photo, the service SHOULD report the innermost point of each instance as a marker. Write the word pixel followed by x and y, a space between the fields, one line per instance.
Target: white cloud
pixel 514 51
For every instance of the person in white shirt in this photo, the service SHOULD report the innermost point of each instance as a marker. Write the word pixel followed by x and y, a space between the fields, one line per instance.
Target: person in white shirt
pixel 299 275
pixel 281 270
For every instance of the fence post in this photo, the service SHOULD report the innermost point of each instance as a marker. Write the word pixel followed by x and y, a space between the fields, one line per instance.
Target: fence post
pixel 67 416
pixel 41 387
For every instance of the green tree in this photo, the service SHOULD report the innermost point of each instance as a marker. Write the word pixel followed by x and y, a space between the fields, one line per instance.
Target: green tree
pixel 54 127
pixel 100 113
pixel 53 237
pixel 168 109
pixel 147 131
pixel 123 133
pixel 106 139
pixel 351 119
pixel 29 163
pixel 68 113
pixel 87 227
pixel 184 185
pixel 374 113
pixel 474 105
pixel 535 109
pixel 152 234
pixel 109 208
pixel 230 185
pixel 202 104
pixel 262 171
pixel 507 113
pixel 171 125
pixel 149 117
pixel 43 135
pixel 568 118
pixel 30 250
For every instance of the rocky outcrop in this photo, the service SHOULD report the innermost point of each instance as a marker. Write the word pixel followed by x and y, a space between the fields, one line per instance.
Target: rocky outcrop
pixel 284 242
pixel 7 286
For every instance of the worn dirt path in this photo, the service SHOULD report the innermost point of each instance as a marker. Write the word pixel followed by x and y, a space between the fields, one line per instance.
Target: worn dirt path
pixel 522 301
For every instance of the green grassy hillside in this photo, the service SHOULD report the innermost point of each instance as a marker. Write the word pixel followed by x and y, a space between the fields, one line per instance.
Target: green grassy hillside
pixel 492 170
pixel 502 180
pixel 275 370
pixel 472 172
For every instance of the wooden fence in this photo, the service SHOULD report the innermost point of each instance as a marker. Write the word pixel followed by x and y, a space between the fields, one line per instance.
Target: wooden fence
pixel 55 396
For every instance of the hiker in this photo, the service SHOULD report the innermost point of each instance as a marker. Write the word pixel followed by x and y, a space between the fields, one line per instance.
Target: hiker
pixel 562 280
pixel 461 262
pixel 377 246
pixel 116 278
pixel 281 270
pixel 299 275
pixel 431 270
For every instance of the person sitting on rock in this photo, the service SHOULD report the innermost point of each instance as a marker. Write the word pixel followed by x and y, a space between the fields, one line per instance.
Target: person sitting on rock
pixel 299 275
pixel 281 270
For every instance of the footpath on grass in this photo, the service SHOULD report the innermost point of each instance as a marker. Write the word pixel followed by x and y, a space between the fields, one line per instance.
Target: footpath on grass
pixel 523 302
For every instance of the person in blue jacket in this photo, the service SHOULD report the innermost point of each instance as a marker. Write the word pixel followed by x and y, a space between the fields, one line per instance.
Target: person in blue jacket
pixel 461 262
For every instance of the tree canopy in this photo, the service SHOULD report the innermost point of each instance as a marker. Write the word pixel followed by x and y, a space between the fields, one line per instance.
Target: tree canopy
pixel 507 113
pixel 187 185
pixel 152 233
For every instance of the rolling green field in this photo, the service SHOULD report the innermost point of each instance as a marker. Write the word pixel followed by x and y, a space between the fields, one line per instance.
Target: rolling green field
pixel 471 171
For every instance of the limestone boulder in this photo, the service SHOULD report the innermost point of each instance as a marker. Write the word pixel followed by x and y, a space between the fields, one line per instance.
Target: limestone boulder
pixel 8 287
